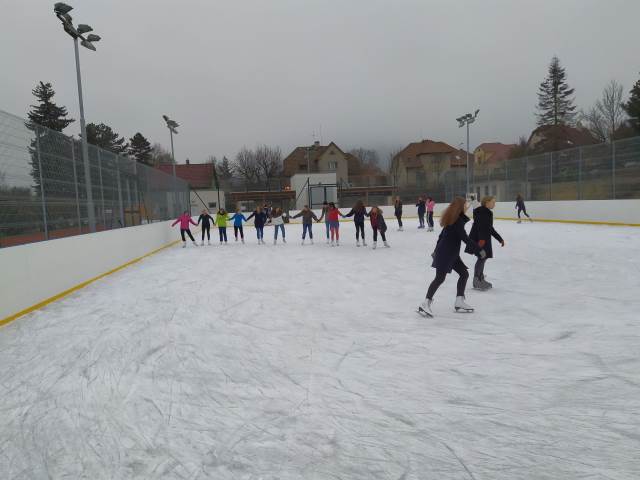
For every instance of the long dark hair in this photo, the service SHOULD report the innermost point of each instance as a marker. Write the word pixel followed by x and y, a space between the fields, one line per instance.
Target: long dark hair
pixel 359 206
pixel 453 212
pixel 519 198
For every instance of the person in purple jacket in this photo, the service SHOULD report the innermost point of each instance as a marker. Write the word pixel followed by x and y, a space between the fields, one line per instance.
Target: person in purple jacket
pixel 184 220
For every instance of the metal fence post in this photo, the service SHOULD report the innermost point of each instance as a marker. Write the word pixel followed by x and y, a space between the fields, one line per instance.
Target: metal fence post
pixel 136 196
pixel 550 175
pixel 75 183
pixel 613 168
pixel 42 199
pixel 104 218
pixel 580 173
pixel 128 202
pixel 120 207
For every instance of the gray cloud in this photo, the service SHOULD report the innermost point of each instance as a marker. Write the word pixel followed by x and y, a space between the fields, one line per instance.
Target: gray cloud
pixel 369 72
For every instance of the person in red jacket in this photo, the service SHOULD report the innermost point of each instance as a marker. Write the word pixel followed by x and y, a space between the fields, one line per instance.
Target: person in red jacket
pixel 333 217
pixel 184 220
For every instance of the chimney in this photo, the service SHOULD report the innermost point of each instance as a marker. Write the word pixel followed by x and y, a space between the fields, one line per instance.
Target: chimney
pixel 187 161
pixel 316 144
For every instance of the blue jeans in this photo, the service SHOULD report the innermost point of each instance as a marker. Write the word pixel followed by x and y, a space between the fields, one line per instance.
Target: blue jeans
pixel 306 227
pixel 275 232
pixel 328 226
pixel 260 231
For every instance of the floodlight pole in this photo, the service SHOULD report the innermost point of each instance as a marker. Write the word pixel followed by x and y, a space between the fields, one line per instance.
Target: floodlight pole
pixel 85 146
pixel 467 119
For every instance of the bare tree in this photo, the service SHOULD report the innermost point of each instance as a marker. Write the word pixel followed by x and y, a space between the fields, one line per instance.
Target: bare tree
pixel 607 116
pixel 269 162
pixel 369 159
pixel 246 166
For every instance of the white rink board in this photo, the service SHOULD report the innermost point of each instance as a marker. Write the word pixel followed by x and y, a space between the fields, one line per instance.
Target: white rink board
pixel 290 362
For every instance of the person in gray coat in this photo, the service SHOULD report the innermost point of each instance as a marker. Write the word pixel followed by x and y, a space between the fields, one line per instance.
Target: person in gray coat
pixel 307 222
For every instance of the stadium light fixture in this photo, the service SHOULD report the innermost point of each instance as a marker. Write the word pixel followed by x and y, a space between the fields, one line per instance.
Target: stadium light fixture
pixel 467 119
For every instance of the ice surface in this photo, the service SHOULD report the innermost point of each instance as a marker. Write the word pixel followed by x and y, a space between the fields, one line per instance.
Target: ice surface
pixel 291 362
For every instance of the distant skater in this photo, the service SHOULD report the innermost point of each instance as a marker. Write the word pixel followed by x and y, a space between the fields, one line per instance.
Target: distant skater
pixel 307 222
pixel 521 208
pixel 378 225
pixel 481 232
pixel 397 210
pixel 422 208
pixel 221 222
pixel 237 219
pixel 184 220
pixel 206 220
pixel 333 215
pixel 358 212
pixel 446 256
pixel 259 219
pixel 430 206
pixel 325 209
pixel 277 220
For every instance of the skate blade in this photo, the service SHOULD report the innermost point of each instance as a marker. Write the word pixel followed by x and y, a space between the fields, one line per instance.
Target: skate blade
pixel 464 310
pixel 424 313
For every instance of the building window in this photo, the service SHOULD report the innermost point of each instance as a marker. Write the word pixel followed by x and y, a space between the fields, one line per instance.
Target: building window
pixel 486 189
pixel 333 166
pixel 212 204
pixel 302 166
pixel 494 190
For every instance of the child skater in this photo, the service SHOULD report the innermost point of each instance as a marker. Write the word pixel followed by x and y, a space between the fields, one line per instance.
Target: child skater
pixel 238 218
pixel 378 224
pixel 221 221
pixel 325 209
pixel 184 220
pixel 430 206
pixel 277 220
pixel 397 206
pixel 446 256
pixel 307 222
pixel 521 208
pixel 333 215
pixel 259 219
pixel 206 220
pixel 358 212
pixel 422 208
pixel 481 232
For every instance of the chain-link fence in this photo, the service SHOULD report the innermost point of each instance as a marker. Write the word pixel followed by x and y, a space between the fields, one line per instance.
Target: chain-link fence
pixel 45 192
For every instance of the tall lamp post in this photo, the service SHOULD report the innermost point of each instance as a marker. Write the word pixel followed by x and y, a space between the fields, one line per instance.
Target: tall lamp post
pixel 62 12
pixel 172 125
pixel 467 120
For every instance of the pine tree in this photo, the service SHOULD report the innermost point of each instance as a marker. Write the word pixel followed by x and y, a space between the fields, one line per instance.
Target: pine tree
pixel 224 169
pixel 140 149
pixel 555 101
pixel 632 107
pixel 51 154
pixel 104 137
pixel 47 113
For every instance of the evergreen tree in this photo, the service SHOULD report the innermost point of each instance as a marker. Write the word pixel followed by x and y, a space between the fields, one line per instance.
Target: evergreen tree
pixel 47 113
pixel 104 137
pixel 555 101
pixel 632 107
pixel 51 154
pixel 224 169
pixel 140 149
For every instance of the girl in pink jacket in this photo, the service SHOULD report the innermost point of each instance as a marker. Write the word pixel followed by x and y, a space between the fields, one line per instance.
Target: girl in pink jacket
pixel 184 220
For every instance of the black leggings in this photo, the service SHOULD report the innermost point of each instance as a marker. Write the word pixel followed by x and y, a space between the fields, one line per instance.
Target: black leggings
pixel 206 228
pixel 359 229
pixel 223 233
pixel 399 217
pixel 375 234
pixel 460 268
pixel 523 210
pixel 237 229
pixel 188 232
pixel 421 219
pixel 430 219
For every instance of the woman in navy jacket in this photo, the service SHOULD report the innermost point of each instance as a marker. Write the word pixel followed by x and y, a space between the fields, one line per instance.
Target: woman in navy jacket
pixel 260 218
pixel 446 256
pixel 481 232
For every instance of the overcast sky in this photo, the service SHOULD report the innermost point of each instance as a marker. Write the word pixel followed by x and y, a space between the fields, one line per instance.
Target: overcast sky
pixel 369 73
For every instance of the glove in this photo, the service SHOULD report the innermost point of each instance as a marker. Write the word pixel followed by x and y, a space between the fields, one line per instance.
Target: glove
pixel 502 243
pixel 481 243
pixel 482 254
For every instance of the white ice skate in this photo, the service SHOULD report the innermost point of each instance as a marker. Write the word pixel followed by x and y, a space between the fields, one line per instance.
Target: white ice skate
pixel 461 306
pixel 386 244
pixel 337 243
pixel 374 245
pixel 333 244
pixel 424 308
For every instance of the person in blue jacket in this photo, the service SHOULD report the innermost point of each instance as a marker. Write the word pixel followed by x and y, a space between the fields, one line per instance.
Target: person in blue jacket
pixel 259 219
pixel 238 218
pixel 446 256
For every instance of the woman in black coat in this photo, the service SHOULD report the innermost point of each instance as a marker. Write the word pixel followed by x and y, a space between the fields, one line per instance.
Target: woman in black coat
pixel 481 233
pixel 446 256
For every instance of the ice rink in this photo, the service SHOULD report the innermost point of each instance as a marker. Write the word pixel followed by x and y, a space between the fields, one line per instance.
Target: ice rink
pixel 291 362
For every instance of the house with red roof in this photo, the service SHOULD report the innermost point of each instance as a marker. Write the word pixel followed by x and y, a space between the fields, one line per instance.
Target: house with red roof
pixel 491 153
pixel 318 158
pixel 200 178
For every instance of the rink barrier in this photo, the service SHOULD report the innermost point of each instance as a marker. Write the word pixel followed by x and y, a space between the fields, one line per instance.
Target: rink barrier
pixel 15 316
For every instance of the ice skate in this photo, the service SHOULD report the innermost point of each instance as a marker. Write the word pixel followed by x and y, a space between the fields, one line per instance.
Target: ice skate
pixel 364 244
pixel 208 242
pixel 284 240
pixel 531 219
pixel 386 245
pixel 202 243
pixel 485 284
pixel 477 284
pixel 461 306
pixel 357 243
pixel 424 308
pixel 275 240
pixel 236 239
pixel 195 244
pixel 327 241
pixel 311 241
pixel 332 244
pixel 374 245
pixel 302 242
pixel 400 229
pixel 519 221
pixel 337 243
pixel 184 244
pixel 243 240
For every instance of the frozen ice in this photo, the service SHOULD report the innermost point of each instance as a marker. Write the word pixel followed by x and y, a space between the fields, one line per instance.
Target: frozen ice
pixel 310 362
